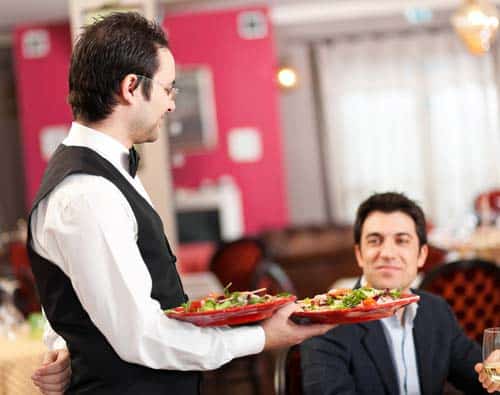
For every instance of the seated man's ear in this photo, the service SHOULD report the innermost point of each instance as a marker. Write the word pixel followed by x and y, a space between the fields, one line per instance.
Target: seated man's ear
pixel 422 256
pixel 359 256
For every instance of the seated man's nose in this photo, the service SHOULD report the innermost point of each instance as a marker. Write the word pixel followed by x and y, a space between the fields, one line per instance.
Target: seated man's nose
pixel 388 249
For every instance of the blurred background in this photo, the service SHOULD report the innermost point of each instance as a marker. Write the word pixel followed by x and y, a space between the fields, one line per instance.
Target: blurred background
pixel 291 113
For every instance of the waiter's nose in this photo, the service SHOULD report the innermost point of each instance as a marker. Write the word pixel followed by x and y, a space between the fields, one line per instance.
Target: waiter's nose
pixel 171 106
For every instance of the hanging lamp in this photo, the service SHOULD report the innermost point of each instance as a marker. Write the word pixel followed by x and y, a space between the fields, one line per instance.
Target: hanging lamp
pixel 476 22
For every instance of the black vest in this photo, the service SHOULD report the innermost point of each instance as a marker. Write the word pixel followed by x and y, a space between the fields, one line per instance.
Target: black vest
pixel 96 367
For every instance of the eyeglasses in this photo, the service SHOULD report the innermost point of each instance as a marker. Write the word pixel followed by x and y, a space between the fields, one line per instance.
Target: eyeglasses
pixel 172 92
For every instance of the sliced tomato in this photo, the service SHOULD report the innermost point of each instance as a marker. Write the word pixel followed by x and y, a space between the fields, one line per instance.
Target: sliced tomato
pixel 194 306
pixel 369 302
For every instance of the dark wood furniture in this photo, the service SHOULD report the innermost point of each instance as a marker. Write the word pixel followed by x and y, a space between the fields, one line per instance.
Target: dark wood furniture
pixel 313 257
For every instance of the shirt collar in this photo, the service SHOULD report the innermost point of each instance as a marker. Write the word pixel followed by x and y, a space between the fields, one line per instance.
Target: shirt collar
pixel 409 314
pixel 105 145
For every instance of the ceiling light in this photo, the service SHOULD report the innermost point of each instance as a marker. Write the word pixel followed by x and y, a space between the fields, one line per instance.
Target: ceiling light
pixel 287 77
pixel 476 22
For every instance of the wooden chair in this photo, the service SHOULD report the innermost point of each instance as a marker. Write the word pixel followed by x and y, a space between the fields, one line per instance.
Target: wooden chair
pixel 26 296
pixel 237 261
pixel 243 263
pixel 271 276
pixel 472 288
pixel 288 372
pixel 435 257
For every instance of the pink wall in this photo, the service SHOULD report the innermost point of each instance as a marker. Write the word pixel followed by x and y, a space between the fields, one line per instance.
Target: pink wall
pixel 42 89
pixel 246 95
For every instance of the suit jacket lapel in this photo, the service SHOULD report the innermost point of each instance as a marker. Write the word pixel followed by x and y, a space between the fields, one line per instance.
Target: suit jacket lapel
pixel 376 345
pixel 424 348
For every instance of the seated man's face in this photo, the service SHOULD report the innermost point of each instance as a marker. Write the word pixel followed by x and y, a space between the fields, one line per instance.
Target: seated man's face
pixel 389 251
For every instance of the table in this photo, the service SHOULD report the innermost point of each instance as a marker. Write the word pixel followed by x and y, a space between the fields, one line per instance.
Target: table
pixel 18 360
pixel 482 243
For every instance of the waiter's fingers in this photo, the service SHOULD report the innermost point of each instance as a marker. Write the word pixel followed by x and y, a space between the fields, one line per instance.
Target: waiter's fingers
pixel 54 362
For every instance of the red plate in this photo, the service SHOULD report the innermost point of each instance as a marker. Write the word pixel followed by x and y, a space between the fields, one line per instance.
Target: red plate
pixel 232 316
pixel 356 314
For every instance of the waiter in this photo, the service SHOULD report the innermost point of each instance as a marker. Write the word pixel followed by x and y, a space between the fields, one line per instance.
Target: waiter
pixel 103 266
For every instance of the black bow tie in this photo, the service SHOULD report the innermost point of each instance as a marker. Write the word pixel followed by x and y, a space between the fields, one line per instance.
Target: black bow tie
pixel 133 161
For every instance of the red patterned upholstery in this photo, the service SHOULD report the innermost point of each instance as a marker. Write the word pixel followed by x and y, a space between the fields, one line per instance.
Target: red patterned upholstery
pixel 236 262
pixel 472 288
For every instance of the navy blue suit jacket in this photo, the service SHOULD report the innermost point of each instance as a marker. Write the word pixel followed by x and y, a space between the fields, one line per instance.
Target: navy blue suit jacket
pixel 356 359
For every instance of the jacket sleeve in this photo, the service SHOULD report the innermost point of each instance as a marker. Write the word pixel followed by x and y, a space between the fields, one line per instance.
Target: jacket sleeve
pixel 464 354
pixel 325 364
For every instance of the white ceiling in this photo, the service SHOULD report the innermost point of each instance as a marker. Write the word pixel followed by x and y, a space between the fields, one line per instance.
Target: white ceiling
pixel 13 12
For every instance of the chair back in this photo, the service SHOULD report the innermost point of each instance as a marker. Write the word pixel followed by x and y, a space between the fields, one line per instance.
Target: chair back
pixel 26 296
pixel 288 372
pixel 236 262
pixel 435 257
pixel 472 288
pixel 492 200
pixel 271 276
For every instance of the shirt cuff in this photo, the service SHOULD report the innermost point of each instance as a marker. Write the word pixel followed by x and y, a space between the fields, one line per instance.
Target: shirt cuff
pixel 58 344
pixel 246 340
pixel 51 339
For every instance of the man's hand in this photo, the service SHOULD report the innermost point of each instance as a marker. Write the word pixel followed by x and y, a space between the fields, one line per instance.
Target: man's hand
pixel 487 383
pixel 282 332
pixel 53 377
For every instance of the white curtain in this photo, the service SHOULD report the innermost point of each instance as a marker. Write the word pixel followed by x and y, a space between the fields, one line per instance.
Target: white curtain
pixel 413 113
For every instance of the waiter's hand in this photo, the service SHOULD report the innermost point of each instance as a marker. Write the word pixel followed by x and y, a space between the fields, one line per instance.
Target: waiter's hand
pixel 282 332
pixel 53 377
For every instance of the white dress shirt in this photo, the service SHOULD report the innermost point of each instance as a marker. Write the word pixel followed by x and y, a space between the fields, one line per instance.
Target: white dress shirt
pixel 87 228
pixel 399 336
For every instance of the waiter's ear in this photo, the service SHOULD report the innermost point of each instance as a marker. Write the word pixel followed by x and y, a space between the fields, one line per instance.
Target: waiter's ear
pixel 128 88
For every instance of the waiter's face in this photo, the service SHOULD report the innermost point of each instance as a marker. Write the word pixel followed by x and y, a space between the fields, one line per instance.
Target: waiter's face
pixel 389 252
pixel 152 111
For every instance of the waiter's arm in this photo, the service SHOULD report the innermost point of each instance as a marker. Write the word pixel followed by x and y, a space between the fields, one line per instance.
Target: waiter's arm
pixel 88 229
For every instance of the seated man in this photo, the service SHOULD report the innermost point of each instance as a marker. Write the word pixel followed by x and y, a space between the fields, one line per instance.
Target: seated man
pixel 413 352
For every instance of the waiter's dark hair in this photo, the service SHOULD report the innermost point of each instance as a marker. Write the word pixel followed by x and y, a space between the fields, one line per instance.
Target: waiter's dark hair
pixel 106 51
pixel 390 202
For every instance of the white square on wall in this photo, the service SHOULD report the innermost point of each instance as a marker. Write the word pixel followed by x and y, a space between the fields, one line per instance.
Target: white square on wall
pixel 245 144
pixel 50 138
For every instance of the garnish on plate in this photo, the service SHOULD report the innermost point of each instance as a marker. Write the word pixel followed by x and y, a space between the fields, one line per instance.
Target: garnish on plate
pixel 340 299
pixel 227 300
